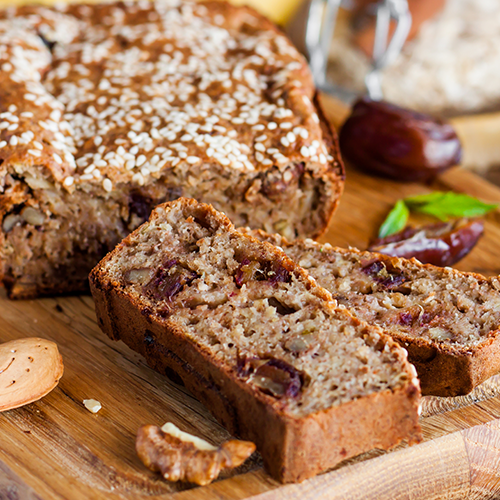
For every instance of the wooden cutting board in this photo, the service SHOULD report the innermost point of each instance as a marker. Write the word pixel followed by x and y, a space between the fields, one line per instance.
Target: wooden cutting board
pixel 56 449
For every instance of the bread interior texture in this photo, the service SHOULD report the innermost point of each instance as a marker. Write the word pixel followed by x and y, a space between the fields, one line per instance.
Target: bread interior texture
pixel 248 305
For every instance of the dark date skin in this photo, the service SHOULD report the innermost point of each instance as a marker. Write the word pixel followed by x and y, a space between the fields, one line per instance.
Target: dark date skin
pixel 441 244
pixel 271 271
pixel 384 139
pixel 273 376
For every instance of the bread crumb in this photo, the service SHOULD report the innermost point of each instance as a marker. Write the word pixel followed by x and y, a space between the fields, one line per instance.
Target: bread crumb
pixel 92 405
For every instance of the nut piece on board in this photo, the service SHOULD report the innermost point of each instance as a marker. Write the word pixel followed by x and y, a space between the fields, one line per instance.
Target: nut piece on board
pixel 29 369
pixel 92 405
pixel 183 457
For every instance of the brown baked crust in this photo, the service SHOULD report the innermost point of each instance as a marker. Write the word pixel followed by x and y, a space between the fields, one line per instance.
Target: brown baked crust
pixel 444 369
pixel 68 133
pixel 293 448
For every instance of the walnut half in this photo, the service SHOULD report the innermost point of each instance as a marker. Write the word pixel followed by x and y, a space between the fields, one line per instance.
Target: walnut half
pixel 179 456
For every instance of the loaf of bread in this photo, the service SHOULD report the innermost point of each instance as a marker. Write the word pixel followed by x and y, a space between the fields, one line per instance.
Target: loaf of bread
pixel 449 321
pixel 108 110
pixel 256 340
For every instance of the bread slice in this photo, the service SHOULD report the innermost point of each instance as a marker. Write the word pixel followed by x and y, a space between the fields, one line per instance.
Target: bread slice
pixel 108 110
pixel 447 320
pixel 256 340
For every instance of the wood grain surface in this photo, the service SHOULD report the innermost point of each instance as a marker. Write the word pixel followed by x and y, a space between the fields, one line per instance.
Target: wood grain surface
pixel 56 449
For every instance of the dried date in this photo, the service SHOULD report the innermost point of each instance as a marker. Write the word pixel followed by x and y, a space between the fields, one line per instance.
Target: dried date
pixel 272 376
pixel 441 244
pixel 381 273
pixel 170 279
pixel 398 143
pixel 254 270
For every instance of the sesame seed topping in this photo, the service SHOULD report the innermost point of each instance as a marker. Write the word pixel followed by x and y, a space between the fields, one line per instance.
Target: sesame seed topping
pixel 145 109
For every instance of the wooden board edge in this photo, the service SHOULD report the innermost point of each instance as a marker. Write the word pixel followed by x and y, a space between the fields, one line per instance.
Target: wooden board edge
pixel 427 471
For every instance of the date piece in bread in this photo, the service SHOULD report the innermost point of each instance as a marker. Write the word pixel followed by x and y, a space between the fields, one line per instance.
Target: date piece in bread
pixel 447 320
pixel 108 110
pixel 256 340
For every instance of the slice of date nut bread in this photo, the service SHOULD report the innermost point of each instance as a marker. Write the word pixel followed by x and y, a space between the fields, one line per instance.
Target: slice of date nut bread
pixel 447 320
pixel 108 110
pixel 256 340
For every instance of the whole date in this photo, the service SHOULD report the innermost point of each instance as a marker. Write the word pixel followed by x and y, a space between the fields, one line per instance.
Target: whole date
pixel 385 139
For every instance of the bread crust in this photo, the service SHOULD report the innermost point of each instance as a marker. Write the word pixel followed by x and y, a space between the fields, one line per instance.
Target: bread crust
pixel 292 448
pixel 84 186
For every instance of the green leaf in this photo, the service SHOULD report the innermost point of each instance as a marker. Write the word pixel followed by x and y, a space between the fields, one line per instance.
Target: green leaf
pixel 395 221
pixel 445 205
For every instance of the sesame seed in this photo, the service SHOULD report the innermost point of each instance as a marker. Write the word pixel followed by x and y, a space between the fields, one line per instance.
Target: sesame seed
pixel 272 125
pixel 100 163
pixel 260 147
pixel 98 140
pixel 3 144
pixel 304 151
pixel 261 138
pixel 138 178
pixel 69 181
pixel 13 141
pixel 285 142
pixel 192 159
pixel 12 127
pixel 259 157
pixel 291 137
pixel 38 145
pixel 315 117
pixel 322 158
pixel 286 125
pixel 107 185
pixel 34 152
pixel 140 160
